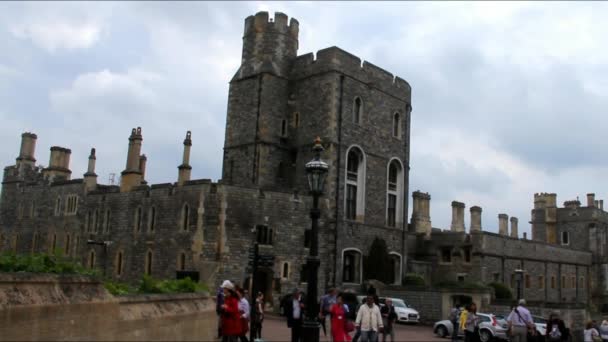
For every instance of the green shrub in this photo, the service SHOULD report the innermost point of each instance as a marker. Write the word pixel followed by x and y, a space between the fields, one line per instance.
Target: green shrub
pixel 185 285
pixel 42 263
pixel 501 291
pixel 413 279
pixel 118 289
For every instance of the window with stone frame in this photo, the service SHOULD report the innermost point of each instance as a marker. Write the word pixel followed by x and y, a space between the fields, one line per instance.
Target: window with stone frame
pixel 564 282
pixel 357 110
pixel 71 204
pixel 553 282
pixel 354 184
pixel 118 263
pixel 93 224
pixel 296 119
pixel 91 262
pixel 582 283
pixel 394 197
pixel 541 282
pixel 148 264
pixel 285 271
pixel 137 219
pixel 446 254
pixel 351 267
pixel 58 206
pixel 264 235
pixel 76 245
pixel 151 219
pixel 185 219
pixel 496 277
pixel 181 262
pixel 573 282
pixel 397 125
pixel 565 238
pixel 15 243
pixel 35 242
pixel 283 128
pixel 527 281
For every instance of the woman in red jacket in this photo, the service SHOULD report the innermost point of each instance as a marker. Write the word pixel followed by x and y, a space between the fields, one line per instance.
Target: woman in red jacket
pixel 231 318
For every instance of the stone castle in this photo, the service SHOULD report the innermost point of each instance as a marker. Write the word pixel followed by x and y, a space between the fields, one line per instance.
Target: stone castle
pixel 278 102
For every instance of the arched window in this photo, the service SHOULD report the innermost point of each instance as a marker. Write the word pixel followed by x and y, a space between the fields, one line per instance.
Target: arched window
pixel 283 128
pixel 565 238
pixel 67 244
pixel 354 207
pixel 296 119
pixel 137 221
pixel 181 262
pixel 149 263
pixel 151 219
pixel 106 227
pixel 185 217
pixel 35 239
pixel 92 259
pixel 357 110
pixel 285 271
pixel 396 267
pixel 394 194
pixel 351 266
pixel 397 125
pixel 119 263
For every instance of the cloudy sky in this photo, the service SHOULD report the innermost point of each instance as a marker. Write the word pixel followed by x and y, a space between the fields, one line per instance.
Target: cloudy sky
pixel 509 98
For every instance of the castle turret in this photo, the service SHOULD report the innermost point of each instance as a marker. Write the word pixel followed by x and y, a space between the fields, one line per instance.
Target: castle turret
pixel 503 224
pixel 59 164
pixel 475 219
pixel 132 175
pixel 421 218
pixel 185 169
pixel 591 200
pixel 90 177
pixel 142 168
pixel 514 228
pixel 457 217
pixel 27 150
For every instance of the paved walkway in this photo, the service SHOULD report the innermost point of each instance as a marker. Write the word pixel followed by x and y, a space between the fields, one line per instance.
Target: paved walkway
pixel 275 330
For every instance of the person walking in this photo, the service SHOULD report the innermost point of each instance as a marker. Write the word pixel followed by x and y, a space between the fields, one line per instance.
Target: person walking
pixel 369 320
pixel 231 325
pixel 519 321
pixel 604 331
pixel 556 329
pixel 244 311
pixel 338 321
pixel 358 328
pixel 259 315
pixel 470 324
pixel 390 317
pixel 325 304
pixel 590 334
pixel 294 311
pixel 454 316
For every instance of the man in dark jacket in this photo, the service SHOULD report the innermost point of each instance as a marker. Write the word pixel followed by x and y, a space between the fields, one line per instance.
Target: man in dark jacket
pixel 390 317
pixel 556 329
pixel 294 311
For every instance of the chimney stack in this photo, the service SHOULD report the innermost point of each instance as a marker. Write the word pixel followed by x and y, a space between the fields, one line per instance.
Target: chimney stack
pixel 142 168
pixel 525 236
pixel 421 217
pixel 132 175
pixel 457 217
pixel 59 164
pixel 90 178
pixel 601 204
pixel 590 200
pixel 185 169
pixel 503 224
pixel 27 150
pixel 475 219
pixel 514 229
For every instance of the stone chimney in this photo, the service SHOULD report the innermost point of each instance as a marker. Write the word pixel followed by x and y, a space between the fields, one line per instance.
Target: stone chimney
pixel 421 218
pixel 525 236
pixel 90 178
pixel 132 176
pixel 601 204
pixel 457 217
pixel 185 169
pixel 503 224
pixel 59 164
pixel 475 219
pixel 27 150
pixel 514 229
pixel 142 167
pixel 591 200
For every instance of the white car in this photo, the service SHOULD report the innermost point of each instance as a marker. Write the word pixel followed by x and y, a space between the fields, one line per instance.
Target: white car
pixel 405 313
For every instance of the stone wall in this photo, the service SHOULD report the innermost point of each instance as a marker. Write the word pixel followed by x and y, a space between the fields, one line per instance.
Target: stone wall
pixel 51 308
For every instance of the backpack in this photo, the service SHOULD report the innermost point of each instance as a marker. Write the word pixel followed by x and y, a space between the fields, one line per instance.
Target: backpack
pixel 555 334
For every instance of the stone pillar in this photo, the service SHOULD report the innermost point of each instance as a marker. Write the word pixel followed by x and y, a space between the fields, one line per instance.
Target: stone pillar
pixel 475 219
pixel 185 169
pixel 457 217
pixel 132 176
pixel 503 224
pixel 421 218
pixel 27 150
pixel 514 229
pixel 90 178
pixel 142 168
pixel 591 200
pixel 601 204
pixel 59 164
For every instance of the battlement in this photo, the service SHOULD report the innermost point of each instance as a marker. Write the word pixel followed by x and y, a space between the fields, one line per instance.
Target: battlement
pixel 545 200
pixel 336 59
pixel 261 22
pixel 421 195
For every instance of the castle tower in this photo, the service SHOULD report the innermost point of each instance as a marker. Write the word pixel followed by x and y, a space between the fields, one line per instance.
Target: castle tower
pixel 421 218
pixel 59 164
pixel 475 219
pixel 457 217
pixel 255 148
pixel 90 177
pixel 132 175
pixel 185 169
pixel 27 150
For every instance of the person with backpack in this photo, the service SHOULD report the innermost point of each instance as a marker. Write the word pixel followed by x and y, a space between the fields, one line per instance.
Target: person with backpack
pixel 556 329
pixel 454 316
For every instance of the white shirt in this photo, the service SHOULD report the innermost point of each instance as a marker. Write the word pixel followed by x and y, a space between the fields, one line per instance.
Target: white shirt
pixel 369 318
pixel 525 320
pixel 296 309
pixel 588 333
pixel 244 307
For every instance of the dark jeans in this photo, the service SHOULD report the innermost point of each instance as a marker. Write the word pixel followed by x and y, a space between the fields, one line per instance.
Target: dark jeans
pixel 470 336
pixel 258 330
pixel 296 331
pixel 455 329
pixel 357 335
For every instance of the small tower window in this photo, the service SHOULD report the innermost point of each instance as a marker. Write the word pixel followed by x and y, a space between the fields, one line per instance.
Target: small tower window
pixel 357 110
pixel 67 245
pixel 296 119
pixel 283 128
pixel 264 235
pixel 149 263
pixel 91 259
pixel 185 217
pixel 152 219
pixel 285 271
pixel 181 263
pixel 58 206
pixel 446 254
pixel 138 219
pixel 565 238
pixel 119 263
pixel 397 125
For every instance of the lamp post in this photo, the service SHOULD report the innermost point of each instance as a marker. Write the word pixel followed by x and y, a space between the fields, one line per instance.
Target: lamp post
pixel 520 274
pixel 316 172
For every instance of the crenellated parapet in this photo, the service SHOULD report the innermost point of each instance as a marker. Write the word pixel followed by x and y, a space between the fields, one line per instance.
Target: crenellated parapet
pixel 336 59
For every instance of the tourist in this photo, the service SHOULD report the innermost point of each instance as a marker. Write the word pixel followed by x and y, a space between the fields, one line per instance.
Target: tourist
pixel 231 319
pixel 590 334
pixel 245 311
pixel 259 315
pixel 470 324
pixel 603 330
pixel 390 317
pixel 556 329
pixel 454 316
pixel 369 320
pixel 325 304
pixel 294 311
pixel 358 328
pixel 338 321
pixel 520 321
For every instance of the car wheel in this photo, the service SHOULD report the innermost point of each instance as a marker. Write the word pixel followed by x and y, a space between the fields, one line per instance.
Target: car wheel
pixel 441 331
pixel 485 335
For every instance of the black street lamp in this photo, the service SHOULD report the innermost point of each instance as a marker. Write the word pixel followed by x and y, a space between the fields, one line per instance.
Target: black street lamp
pixel 316 171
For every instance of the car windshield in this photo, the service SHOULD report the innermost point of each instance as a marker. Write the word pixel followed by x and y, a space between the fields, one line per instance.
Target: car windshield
pixel 398 303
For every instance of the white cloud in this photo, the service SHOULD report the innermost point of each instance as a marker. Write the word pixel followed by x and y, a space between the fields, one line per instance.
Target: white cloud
pixel 59 35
